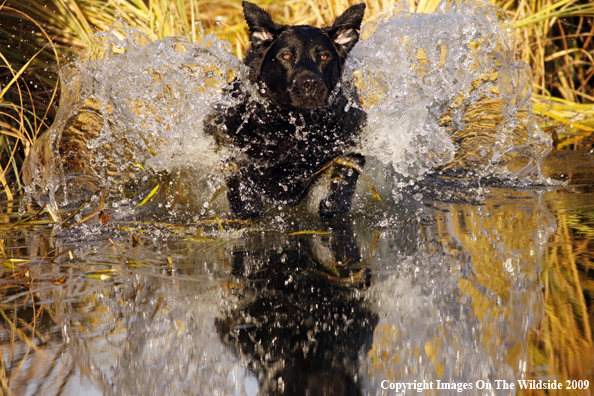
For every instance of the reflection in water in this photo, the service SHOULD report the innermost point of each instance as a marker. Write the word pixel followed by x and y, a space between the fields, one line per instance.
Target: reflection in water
pixel 303 318
pixel 459 310
pixel 449 297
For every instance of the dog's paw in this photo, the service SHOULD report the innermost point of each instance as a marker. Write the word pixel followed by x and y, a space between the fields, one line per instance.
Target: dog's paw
pixel 342 186
pixel 244 200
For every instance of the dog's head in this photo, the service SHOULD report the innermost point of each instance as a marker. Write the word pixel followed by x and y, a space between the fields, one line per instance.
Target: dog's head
pixel 298 66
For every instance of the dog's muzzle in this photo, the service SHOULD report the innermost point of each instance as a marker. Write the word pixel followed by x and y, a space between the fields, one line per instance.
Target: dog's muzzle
pixel 309 91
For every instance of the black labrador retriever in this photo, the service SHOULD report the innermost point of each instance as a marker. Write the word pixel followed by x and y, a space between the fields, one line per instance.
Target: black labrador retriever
pixel 298 121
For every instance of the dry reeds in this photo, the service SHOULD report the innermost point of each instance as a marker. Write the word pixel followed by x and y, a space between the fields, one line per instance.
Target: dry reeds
pixel 555 38
pixel 28 96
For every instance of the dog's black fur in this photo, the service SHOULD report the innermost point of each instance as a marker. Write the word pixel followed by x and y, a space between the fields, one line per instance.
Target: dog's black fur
pixel 300 123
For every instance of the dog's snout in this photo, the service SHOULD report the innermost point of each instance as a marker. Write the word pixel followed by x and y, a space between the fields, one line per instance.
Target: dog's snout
pixel 312 83
pixel 309 91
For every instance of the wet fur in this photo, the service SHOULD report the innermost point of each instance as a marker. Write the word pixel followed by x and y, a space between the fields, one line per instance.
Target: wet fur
pixel 300 123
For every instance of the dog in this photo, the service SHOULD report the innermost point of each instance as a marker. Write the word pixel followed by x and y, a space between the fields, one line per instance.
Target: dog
pixel 300 119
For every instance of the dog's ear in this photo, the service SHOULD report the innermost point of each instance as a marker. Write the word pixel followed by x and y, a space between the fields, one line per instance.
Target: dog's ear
pixel 262 28
pixel 344 32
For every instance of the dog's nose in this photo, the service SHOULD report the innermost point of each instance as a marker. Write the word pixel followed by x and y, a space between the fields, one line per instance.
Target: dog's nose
pixel 312 83
pixel 309 91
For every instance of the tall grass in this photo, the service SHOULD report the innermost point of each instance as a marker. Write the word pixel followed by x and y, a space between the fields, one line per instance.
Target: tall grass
pixel 27 96
pixel 555 38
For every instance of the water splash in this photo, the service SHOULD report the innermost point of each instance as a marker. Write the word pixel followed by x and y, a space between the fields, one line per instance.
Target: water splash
pixel 132 111
pixel 443 93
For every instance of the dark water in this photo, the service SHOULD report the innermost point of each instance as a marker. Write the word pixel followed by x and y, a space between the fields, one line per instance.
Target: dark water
pixel 488 287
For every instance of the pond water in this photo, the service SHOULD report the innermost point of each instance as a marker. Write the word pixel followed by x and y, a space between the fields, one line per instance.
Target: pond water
pixel 463 267
pixel 465 291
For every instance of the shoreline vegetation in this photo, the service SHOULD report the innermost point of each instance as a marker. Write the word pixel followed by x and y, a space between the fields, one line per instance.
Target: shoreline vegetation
pixel 555 37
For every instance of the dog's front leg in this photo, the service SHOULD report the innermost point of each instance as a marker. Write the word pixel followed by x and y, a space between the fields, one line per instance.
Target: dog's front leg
pixel 244 199
pixel 342 186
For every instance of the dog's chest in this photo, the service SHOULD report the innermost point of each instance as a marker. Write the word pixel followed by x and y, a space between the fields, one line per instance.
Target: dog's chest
pixel 275 137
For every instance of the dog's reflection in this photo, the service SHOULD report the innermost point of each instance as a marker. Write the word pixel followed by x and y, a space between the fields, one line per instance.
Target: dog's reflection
pixel 302 320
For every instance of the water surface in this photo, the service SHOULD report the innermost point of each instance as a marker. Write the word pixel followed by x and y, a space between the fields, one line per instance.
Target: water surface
pixel 490 285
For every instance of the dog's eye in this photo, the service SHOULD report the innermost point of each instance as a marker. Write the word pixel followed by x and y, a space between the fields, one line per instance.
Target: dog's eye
pixel 286 56
pixel 324 57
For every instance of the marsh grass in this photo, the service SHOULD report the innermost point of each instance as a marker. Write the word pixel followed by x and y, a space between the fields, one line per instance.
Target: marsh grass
pixel 556 39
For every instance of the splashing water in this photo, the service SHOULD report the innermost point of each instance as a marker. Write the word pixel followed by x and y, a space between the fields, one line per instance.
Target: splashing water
pixel 442 91
pixel 132 110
